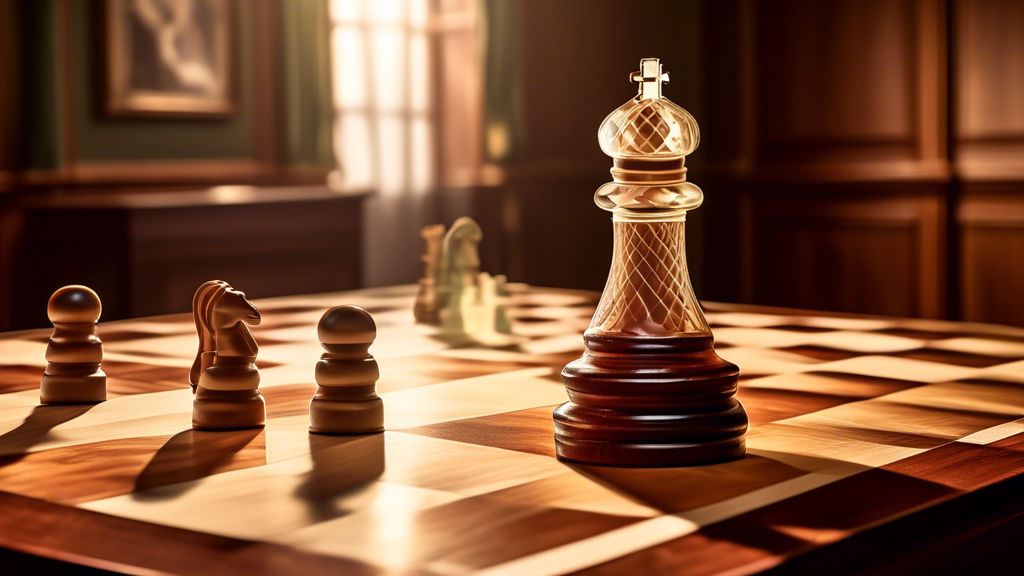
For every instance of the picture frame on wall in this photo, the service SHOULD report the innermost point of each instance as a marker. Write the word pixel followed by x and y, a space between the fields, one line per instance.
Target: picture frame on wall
pixel 170 58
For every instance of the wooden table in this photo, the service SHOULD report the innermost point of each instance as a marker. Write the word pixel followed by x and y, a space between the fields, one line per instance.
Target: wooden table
pixel 909 428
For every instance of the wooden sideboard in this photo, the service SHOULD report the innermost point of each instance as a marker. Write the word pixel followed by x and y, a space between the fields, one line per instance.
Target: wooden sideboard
pixel 145 253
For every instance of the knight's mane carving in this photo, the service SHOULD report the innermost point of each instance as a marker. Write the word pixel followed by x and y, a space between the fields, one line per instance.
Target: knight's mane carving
pixel 461 238
pixel 203 304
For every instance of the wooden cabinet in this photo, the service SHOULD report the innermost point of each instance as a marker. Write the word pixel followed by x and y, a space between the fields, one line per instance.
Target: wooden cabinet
pixel 146 254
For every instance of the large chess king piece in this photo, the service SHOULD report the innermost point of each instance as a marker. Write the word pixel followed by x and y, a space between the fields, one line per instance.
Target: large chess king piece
pixel 74 353
pixel 650 389
pixel 224 376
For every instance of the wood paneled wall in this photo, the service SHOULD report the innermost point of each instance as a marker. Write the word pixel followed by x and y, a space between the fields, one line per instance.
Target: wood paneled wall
pixel 990 222
pixel 879 156
pixel 989 158
pixel 838 81
pixel 874 249
pixel 989 90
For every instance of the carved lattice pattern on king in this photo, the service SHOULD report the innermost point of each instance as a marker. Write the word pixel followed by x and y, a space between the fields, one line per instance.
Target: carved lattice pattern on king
pixel 648 291
pixel 649 128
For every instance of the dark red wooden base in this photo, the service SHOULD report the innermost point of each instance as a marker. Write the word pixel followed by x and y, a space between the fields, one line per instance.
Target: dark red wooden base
pixel 650 402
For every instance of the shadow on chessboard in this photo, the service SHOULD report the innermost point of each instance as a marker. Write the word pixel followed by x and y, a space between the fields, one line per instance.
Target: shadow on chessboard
pixel 342 466
pixel 195 454
pixel 15 444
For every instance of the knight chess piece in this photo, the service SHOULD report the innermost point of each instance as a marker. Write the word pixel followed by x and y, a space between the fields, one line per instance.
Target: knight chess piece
pixel 649 390
pixel 468 301
pixel 458 269
pixel 346 400
pixel 224 377
pixel 425 309
pixel 75 352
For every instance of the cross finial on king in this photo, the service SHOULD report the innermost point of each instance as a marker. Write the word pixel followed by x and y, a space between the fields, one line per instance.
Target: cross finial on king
pixel 650 78
pixel 649 126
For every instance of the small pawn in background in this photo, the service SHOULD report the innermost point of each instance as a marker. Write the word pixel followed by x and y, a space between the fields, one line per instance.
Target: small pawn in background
pixel 425 309
pixel 74 353
pixel 346 400
pixel 224 376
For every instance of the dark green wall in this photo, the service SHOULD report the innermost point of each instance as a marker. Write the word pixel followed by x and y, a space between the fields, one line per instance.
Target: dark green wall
pixel 104 138
pixel 40 133
pixel 308 103
pixel 305 94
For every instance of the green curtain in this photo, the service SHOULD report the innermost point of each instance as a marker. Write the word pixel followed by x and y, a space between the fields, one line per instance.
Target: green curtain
pixel 43 147
pixel 308 106
pixel 503 129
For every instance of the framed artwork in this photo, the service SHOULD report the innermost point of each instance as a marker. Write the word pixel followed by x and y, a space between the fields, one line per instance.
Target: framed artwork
pixel 170 57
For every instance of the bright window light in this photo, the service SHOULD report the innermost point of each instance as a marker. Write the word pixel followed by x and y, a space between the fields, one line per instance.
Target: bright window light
pixel 384 128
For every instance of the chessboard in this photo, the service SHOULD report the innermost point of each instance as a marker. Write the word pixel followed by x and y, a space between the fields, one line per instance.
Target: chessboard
pixel 855 423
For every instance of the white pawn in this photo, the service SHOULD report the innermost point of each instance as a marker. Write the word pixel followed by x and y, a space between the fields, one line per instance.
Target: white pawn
pixel 74 353
pixel 346 401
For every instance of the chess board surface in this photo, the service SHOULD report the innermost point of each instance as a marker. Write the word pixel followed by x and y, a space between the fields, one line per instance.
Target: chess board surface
pixel 855 422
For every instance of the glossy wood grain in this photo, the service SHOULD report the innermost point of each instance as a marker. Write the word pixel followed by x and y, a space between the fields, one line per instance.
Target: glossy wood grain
pixel 966 467
pixel 775 532
pixel 524 431
pixel 673 491
pixel 111 543
pixel 901 415
pixel 132 464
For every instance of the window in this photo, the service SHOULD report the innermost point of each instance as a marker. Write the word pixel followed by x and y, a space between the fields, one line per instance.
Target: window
pixel 384 132
pixel 408 95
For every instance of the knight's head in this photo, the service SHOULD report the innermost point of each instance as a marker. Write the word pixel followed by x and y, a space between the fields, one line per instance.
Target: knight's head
pixel 462 240
pixel 233 307
pixel 217 306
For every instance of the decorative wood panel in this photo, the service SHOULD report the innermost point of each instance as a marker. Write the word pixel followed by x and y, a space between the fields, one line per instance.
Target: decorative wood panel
pixel 849 81
pixel 846 249
pixel 989 152
pixel 842 169
pixel 991 234
pixel 989 89
pixel 817 90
